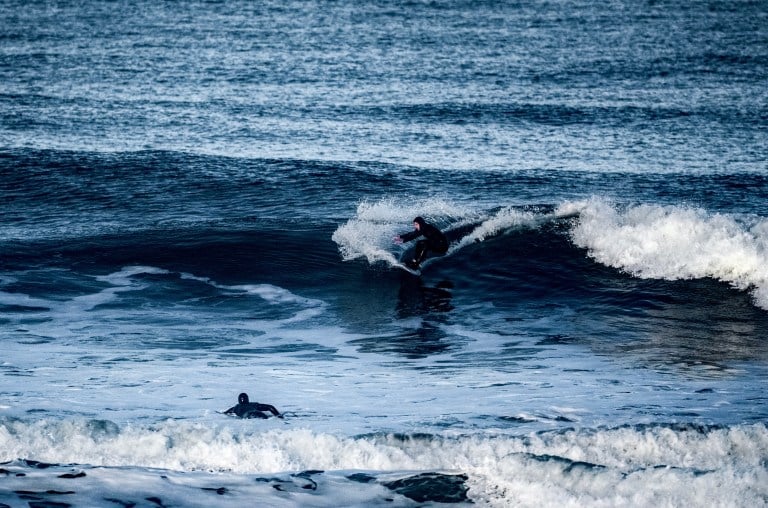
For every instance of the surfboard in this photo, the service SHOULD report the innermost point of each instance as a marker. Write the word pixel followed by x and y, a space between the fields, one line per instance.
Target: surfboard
pixel 405 268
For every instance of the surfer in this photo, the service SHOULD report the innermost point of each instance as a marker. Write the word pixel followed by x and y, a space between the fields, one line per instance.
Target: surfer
pixel 434 241
pixel 246 409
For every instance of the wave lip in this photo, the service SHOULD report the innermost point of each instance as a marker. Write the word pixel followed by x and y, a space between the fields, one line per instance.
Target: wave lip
pixel 676 242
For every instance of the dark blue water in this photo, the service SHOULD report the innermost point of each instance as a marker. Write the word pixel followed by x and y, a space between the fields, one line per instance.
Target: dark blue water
pixel 199 199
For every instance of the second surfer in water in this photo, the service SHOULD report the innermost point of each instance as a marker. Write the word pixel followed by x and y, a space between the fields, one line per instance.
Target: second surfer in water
pixel 434 241
pixel 247 409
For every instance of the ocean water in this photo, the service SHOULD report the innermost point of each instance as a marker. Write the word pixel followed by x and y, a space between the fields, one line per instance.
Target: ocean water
pixel 199 199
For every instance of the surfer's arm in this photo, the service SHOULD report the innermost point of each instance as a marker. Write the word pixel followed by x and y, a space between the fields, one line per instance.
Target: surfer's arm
pixel 273 410
pixel 230 411
pixel 407 237
pixel 270 408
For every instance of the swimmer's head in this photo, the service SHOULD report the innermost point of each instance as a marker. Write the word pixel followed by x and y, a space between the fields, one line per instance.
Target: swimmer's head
pixel 242 398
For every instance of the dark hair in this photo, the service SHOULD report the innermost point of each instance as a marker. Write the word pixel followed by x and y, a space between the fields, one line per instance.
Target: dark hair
pixel 420 221
pixel 242 398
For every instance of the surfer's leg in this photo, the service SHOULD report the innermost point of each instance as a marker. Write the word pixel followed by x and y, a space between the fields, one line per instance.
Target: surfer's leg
pixel 421 252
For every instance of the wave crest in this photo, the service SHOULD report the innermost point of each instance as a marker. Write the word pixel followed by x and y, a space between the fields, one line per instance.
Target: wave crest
pixel 677 242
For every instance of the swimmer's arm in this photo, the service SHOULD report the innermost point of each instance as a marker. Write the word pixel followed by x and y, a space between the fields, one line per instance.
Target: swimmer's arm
pixel 274 411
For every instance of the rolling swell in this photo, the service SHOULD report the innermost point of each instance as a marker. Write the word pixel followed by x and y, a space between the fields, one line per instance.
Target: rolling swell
pixel 146 187
pixel 163 186
pixel 275 251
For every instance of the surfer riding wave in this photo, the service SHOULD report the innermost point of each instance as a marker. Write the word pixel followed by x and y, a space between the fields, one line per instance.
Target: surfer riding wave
pixel 434 242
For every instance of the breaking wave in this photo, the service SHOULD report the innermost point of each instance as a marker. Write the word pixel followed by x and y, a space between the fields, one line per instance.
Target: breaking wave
pixel 641 465
pixel 677 242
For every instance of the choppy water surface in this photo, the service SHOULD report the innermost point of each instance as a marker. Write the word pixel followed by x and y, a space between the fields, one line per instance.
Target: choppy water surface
pixel 199 200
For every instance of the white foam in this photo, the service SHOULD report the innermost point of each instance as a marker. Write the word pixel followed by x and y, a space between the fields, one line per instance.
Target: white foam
pixel 268 292
pixel 69 310
pixel 603 467
pixel 503 220
pixel 123 281
pixel 23 300
pixel 6 280
pixel 677 242
pixel 125 276
pixel 272 294
pixel 66 319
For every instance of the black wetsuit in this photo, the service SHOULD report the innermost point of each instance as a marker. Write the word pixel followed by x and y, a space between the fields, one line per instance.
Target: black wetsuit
pixel 434 241
pixel 246 409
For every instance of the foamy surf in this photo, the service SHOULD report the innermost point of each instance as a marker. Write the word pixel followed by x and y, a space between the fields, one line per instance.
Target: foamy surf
pixel 677 242
pixel 96 460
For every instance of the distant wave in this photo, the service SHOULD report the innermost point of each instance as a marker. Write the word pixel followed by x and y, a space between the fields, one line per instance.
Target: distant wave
pixel 677 242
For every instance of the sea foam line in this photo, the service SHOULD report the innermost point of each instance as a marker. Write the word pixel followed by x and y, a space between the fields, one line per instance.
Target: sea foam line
pixel 642 466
